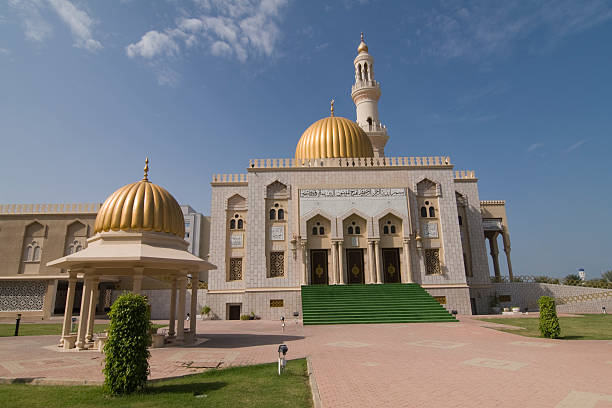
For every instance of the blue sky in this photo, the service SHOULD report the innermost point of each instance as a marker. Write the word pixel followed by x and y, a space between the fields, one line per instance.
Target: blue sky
pixel 517 91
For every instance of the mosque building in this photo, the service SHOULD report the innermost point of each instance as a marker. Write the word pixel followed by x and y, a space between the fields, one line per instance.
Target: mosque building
pixel 343 212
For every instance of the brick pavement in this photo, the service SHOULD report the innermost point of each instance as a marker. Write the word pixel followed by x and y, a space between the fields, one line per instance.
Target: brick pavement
pixel 390 365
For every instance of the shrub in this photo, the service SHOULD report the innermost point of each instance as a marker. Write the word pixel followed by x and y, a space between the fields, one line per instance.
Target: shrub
pixel 245 317
pixel 127 365
pixel 549 323
pixel 206 310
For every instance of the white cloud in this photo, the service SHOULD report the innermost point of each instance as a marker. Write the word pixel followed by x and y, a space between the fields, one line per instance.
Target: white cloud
pixel 35 26
pixel 534 146
pixel 239 29
pixel 153 44
pixel 79 22
pixel 575 145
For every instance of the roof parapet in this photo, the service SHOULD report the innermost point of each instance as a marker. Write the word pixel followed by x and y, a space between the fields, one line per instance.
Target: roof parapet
pixel 20 209
pixel 430 161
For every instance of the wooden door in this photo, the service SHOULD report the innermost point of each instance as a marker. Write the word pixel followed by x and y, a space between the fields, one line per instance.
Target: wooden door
pixel 234 312
pixel 391 265
pixel 318 267
pixel 354 264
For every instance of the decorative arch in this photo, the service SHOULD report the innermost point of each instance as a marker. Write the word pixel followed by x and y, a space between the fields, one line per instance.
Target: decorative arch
pixel 406 225
pixel 76 237
pixel 312 214
pixel 236 203
pixel 353 211
pixel 277 189
pixel 428 188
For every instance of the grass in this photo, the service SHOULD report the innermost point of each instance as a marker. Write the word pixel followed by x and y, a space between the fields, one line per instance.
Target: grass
pixel 253 386
pixel 584 327
pixel 41 329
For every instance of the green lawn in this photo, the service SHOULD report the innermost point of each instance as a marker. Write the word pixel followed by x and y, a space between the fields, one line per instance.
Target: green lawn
pixel 585 327
pixel 41 329
pixel 254 386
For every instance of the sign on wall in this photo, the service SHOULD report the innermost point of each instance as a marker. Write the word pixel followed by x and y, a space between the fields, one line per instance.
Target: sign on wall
pixel 236 240
pixel 277 233
pixel 430 230
pixel 355 241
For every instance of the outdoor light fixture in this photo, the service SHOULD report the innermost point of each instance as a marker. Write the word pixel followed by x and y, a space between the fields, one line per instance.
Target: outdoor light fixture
pixel 603 309
pixel 17 324
pixel 282 352
pixel 296 315
pixel 283 323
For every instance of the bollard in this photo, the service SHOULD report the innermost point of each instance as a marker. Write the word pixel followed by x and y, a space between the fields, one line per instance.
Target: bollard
pixel 17 324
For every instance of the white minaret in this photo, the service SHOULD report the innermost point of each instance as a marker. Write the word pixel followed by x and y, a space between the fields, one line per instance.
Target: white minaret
pixel 366 93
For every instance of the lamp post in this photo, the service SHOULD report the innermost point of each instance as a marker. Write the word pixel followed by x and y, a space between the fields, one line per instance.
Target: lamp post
pixel 282 352
pixel 17 324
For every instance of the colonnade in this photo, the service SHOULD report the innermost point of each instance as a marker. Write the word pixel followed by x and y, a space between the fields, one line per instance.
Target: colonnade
pixel 337 275
pixel 492 237
pixel 89 298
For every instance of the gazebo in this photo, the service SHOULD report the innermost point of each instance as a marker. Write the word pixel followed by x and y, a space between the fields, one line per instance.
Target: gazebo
pixel 138 233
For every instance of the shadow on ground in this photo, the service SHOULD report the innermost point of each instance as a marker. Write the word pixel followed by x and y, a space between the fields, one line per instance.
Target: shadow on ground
pixel 233 340
pixel 195 388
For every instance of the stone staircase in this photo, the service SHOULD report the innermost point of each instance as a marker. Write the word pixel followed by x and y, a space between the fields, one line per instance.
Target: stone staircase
pixel 388 303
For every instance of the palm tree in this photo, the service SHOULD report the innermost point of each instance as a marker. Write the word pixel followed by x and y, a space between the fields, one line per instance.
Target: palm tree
pixel 607 276
pixel 572 279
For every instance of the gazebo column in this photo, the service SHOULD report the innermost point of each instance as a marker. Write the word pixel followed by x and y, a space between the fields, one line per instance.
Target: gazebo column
pixel 137 280
pixel 93 300
pixel 83 317
pixel 72 280
pixel 408 261
pixel 333 273
pixel 172 322
pixel 194 306
pixel 341 262
pixel 378 266
pixel 180 327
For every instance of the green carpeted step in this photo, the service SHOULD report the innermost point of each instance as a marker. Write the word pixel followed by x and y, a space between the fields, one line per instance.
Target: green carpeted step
pixel 389 303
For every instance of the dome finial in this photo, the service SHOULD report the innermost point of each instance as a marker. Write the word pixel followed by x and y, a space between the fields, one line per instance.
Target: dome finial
pixel 332 107
pixel 362 36
pixel 362 46
pixel 146 170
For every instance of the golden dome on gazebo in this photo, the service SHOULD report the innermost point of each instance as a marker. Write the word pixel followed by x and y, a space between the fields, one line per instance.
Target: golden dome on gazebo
pixel 333 137
pixel 141 206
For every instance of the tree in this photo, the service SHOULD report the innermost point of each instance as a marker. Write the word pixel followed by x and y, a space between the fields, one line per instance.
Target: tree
pixel 607 276
pixel 549 322
pixel 572 279
pixel 127 354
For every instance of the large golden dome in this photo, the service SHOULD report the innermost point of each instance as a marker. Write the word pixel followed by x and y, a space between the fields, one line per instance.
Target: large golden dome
pixel 333 137
pixel 141 206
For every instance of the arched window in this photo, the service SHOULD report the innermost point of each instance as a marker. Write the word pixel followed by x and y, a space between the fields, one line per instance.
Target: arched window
pixel 240 224
pixel 350 230
pixel 460 221
pixel 393 229
pixel 232 224
pixel 369 120
pixel 321 231
pixel 272 214
pixel 359 71
pixel 357 230
pixel 28 255
pixel 314 230
pixel 365 71
pixel 78 248
pixel 281 214
pixel 36 253
pixel 385 230
pixel 423 212
pixel 432 212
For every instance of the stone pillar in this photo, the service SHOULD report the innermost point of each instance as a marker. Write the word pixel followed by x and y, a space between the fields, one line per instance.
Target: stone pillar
pixel 378 263
pixel 72 280
pixel 137 284
pixel 506 238
pixel 93 300
pixel 408 261
pixel 304 263
pixel 334 270
pixel 194 306
pixel 494 253
pixel 371 263
pixel 172 321
pixel 180 327
pixel 83 317
pixel 341 262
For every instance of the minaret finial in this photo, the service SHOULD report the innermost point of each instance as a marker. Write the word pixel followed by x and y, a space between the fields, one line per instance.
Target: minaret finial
pixel 362 36
pixel 146 170
pixel 332 107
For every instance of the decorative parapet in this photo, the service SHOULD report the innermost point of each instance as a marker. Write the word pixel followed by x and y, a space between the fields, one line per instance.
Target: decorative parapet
pixel 493 202
pixel 72 208
pixel 465 175
pixel 236 179
pixel 415 162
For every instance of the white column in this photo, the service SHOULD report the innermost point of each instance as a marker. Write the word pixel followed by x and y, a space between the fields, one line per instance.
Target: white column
pixel 334 270
pixel 93 300
pixel 83 317
pixel 341 262
pixel 408 261
pixel 137 284
pixel 172 322
pixel 378 263
pixel 180 327
pixel 371 266
pixel 194 306
pixel 72 280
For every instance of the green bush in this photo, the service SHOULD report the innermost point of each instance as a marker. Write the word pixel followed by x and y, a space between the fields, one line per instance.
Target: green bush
pixel 206 310
pixel 126 350
pixel 549 322
pixel 245 317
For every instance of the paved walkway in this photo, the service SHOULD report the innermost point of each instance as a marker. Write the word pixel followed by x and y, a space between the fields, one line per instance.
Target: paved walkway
pixel 391 365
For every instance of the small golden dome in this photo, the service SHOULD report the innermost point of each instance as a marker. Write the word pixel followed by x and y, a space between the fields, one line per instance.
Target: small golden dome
pixel 362 46
pixel 141 206
pixel 333 137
